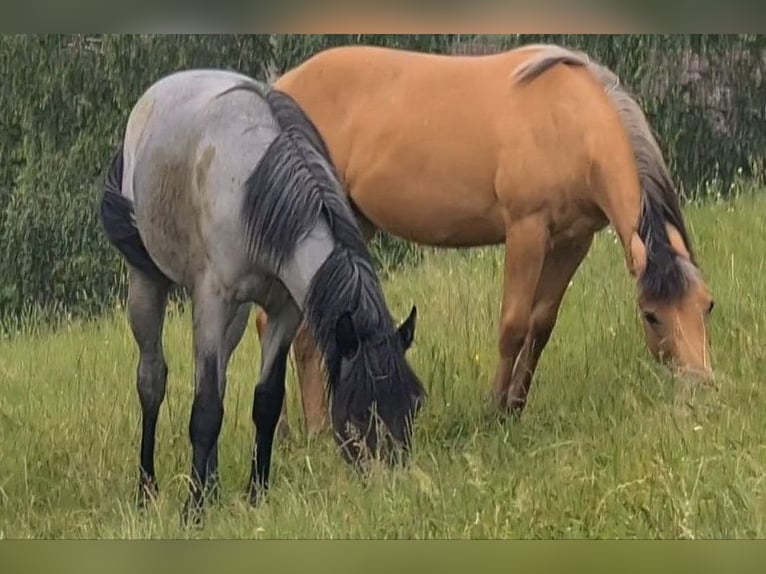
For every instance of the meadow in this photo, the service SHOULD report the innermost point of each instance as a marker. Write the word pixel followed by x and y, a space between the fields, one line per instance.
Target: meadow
pixel 610 446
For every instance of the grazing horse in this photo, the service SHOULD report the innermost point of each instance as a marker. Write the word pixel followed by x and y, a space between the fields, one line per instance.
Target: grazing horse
pixel 219 186
pixel 537 148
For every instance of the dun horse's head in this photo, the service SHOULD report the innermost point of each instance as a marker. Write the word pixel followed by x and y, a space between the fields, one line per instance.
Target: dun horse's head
pixel 376 393
pixel 675 305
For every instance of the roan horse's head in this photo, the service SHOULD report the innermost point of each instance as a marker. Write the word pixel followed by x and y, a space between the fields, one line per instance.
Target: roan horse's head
pixel 377 395
pixel 675 305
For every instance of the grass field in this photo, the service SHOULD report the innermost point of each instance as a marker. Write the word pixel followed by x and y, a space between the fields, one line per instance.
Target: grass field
pixel 609 445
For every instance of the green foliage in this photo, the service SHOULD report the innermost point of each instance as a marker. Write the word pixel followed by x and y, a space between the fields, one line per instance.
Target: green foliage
pixel 63 107
pixel 65 99
pixel 292 49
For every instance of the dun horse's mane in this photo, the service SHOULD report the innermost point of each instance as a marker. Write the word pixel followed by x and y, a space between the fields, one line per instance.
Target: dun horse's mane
pixel 293 186
pixel 548 55
pixel 666 277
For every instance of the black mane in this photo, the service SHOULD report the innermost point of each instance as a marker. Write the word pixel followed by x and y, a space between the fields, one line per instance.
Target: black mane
pixel 665 278
pixel 292 187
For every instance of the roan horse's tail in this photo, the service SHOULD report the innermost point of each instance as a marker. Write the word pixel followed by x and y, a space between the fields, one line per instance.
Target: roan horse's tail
pixel 119 221
pixel 656 183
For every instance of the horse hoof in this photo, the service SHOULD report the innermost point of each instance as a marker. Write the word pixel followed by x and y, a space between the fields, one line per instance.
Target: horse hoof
pixel 283 430
pixel 214 490
pixel 508 407
pixel 252 496
pixel 255 494
pixel 191 516
pixel 148 491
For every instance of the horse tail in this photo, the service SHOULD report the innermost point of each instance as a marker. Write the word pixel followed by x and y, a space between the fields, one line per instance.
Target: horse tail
pixel 119 221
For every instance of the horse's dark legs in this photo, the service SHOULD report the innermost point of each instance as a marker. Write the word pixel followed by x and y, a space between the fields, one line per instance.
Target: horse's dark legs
pixel 283 426
pixel 234 333
pixel 270 392
pixel 308 369
pixel 147 300
pixel 308 362
pixel 212 315
pixel 559 268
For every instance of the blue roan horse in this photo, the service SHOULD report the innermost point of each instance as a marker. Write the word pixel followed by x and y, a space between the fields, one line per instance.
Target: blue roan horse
pixel 222 185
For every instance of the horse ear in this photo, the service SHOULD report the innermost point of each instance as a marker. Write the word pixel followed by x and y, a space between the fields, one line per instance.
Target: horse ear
pixel 407 329
pixel 677 242
pixel 345 336
pixel 637 256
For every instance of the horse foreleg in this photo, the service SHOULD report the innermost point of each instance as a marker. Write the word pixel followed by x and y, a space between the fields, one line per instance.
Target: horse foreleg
pixel 146 304
pixel 308 367
pixel 559 268
pixel 270 392
pixel 525 249
pixel 283 426
pixel 308 361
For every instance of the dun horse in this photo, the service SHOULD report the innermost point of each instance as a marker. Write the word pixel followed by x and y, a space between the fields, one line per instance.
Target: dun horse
pixel 218 185
pixel 537 148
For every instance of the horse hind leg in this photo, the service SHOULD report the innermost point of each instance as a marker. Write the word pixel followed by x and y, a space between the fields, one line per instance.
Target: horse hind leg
pixel 559 268
pixel 147 300
pixel 234 332
pixel 211 316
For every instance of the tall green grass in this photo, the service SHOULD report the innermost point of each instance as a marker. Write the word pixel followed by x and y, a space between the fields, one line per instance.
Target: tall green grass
pixel 609 446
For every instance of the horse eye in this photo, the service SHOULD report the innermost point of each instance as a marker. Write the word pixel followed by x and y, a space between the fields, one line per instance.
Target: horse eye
pixel 651 318
pixel 710 307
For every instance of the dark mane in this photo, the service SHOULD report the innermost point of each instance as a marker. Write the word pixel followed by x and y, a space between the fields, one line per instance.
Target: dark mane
pixel 291 188
pixel 667 277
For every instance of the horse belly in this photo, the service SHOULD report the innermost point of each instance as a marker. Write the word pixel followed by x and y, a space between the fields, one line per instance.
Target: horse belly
pixel 428 195
pixel 431 215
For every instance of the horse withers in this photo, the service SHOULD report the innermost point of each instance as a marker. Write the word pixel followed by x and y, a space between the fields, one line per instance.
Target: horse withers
pixel 536 148
pixel 219 185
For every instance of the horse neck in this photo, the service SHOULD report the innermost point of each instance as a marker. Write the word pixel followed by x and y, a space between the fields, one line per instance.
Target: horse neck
pixel 620 200
pixel 636 181
pixel 346 284
pixel 299 273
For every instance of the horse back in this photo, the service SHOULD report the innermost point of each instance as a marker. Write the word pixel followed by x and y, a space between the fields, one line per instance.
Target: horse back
pixel 436 148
